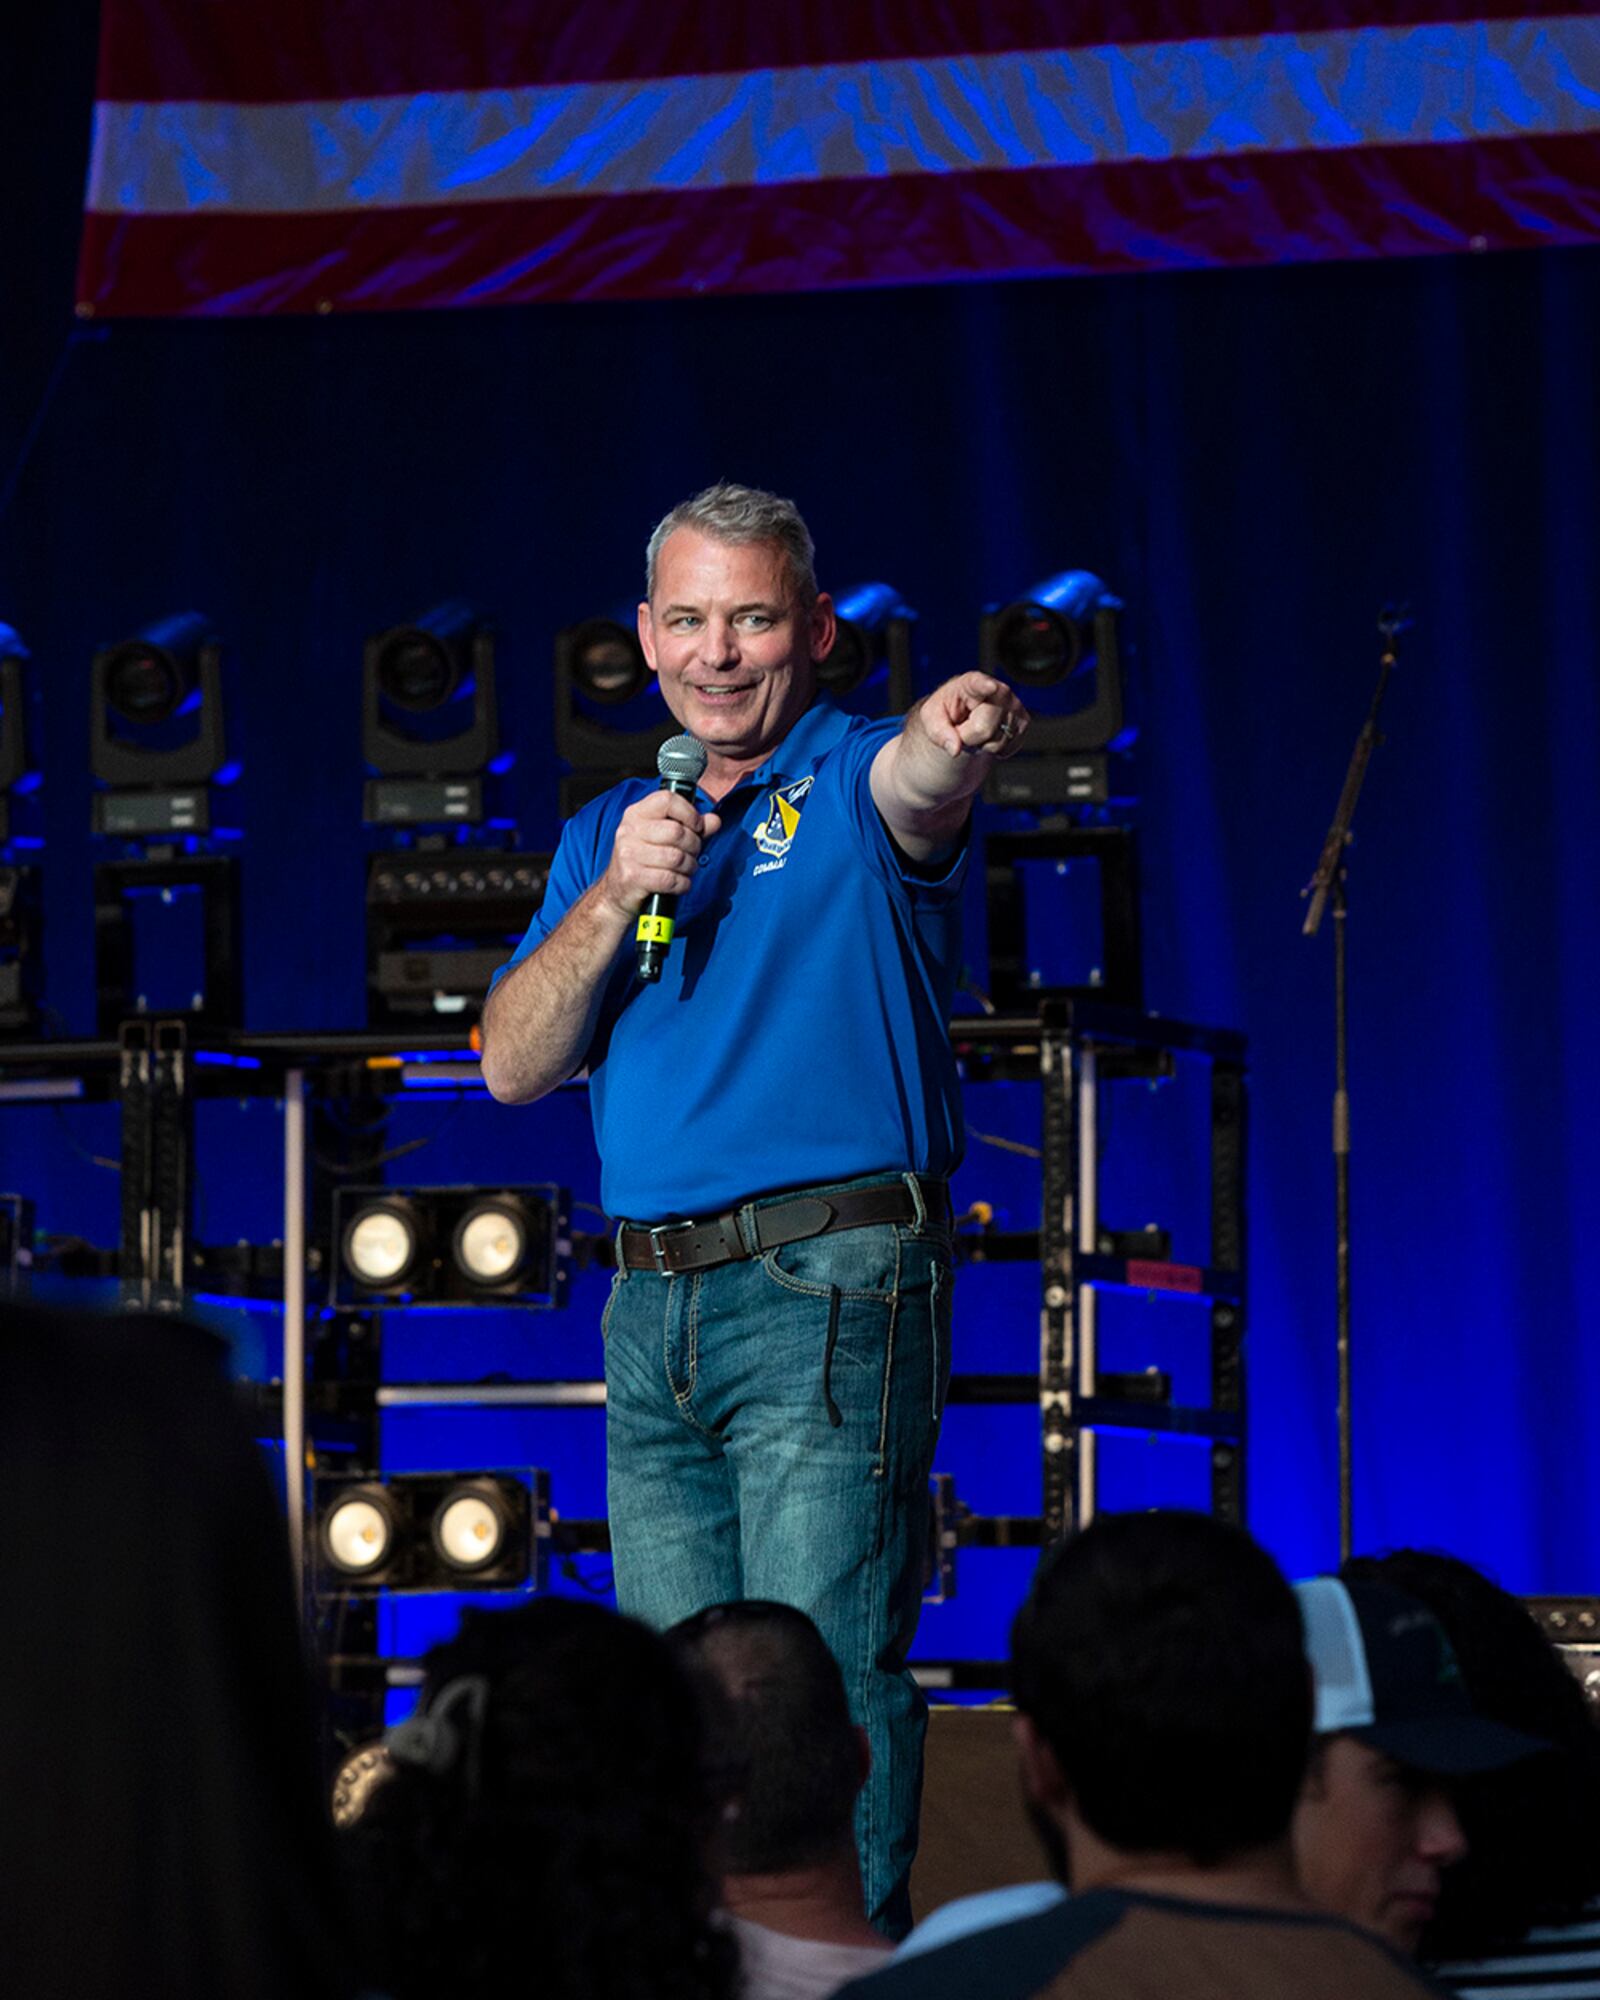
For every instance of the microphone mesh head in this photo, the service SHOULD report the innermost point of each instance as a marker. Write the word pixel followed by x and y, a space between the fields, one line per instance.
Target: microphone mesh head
pixel 681 759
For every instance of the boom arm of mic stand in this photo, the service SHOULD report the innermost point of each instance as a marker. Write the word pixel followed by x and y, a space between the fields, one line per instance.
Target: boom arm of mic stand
pixel 1331 858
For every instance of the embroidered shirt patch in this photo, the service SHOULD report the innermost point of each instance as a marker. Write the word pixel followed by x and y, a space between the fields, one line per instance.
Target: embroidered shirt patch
pixel 783 818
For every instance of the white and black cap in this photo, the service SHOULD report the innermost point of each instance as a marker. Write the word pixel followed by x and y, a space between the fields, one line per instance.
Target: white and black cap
pixel 1386 1673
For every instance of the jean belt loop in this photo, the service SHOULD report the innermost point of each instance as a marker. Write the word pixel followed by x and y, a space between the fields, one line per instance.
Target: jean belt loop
pixel 919 1208
pixel 747 1229
pixel 622 1268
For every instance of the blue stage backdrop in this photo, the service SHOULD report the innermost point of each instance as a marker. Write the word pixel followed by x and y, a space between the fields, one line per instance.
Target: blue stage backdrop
pixel 1256 461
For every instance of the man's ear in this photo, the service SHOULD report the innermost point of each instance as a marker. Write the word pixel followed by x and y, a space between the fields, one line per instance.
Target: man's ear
pixel 824 627
pixel 647 637
pixel 1042 1780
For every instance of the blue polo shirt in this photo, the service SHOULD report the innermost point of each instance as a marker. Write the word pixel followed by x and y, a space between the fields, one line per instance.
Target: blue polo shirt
pixel 798 1033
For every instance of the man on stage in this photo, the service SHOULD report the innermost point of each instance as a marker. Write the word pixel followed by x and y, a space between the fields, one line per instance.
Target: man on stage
pixel 776 1117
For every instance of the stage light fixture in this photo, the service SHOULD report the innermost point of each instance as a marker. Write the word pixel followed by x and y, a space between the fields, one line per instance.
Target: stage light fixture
pixel 610 719
pixel 491 1243
pixel 442 912
pixel 402 1248
pixel 359 1531
pixel 432 1531
pixel 871 652
pixel 417 670
pixel 156 727
pixel 145 684
pixel 439 925
pixel 1042 639
pixel 167 925
pixel 472 1525
pixel 381 1242
pixel 429 718
pixel 608 663
pixel 1057 644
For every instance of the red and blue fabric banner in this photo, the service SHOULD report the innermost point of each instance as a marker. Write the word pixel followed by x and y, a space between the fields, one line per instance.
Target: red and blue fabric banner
pixel 260 156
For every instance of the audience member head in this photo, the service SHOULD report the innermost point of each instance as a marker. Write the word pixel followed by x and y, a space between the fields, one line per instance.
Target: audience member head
pixel 1533 1828
pixel 164 1829
pixel 1376 1828
pixel 796 1759
pixel 547 1820
pixel 1165 1701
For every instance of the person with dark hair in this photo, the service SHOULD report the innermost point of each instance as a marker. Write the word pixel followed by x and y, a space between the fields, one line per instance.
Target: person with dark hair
pixel 1164 1714
pixel 546 1824
pixel 791 1879
pixel 163 1827
pixel 777 1337
pixel 1520 1911
pixel 1376 1830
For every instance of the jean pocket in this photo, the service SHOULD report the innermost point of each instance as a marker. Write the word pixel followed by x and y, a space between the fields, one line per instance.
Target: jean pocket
pixel 856 1263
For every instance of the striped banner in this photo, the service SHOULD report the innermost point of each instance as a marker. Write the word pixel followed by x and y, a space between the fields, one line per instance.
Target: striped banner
pixel 380 153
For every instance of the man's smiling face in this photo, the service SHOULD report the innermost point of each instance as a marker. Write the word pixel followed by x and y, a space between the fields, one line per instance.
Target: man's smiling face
pixel 735 653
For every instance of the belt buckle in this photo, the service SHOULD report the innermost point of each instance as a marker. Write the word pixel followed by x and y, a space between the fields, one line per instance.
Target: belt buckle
pixel 659 1230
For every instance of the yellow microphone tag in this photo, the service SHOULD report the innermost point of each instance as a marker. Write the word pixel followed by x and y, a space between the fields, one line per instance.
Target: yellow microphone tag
pixel 653 930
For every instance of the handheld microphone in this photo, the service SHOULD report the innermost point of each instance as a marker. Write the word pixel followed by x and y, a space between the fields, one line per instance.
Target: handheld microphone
pixel 680 760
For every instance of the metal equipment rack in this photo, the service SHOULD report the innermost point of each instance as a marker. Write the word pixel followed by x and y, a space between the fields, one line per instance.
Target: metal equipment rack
pixel 1076 1050
pixel 1079 1049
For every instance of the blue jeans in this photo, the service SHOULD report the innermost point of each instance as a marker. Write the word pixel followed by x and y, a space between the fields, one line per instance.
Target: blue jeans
pixel 770 1427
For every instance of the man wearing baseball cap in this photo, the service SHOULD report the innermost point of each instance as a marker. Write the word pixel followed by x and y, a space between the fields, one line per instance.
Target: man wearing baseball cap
pixel 1376 1827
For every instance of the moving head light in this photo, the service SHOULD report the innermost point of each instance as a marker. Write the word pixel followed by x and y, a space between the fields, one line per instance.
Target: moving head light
pixel 610 720
pixel 1058 642
pixel 874 640
pixel 429 718
pixel 155 727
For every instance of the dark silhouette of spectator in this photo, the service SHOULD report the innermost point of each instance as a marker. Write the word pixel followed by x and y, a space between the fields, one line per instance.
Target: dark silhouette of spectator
pixel 547 1823
pixel 1164 1717
pixel 1377 1832
pixel 163 1829
pixel 1533 1829
pixel 791 1877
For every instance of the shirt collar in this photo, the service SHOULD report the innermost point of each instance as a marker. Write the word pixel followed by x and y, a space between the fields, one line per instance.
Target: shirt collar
pixel 816 732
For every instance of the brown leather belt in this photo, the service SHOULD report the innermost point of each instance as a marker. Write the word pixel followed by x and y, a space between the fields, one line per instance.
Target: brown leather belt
pixel 750 1230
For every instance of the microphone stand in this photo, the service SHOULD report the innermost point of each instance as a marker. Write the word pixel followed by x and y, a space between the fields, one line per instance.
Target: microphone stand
pixel 1327 885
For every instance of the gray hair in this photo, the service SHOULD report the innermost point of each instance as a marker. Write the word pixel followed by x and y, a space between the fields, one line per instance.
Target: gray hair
pixel 739 514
